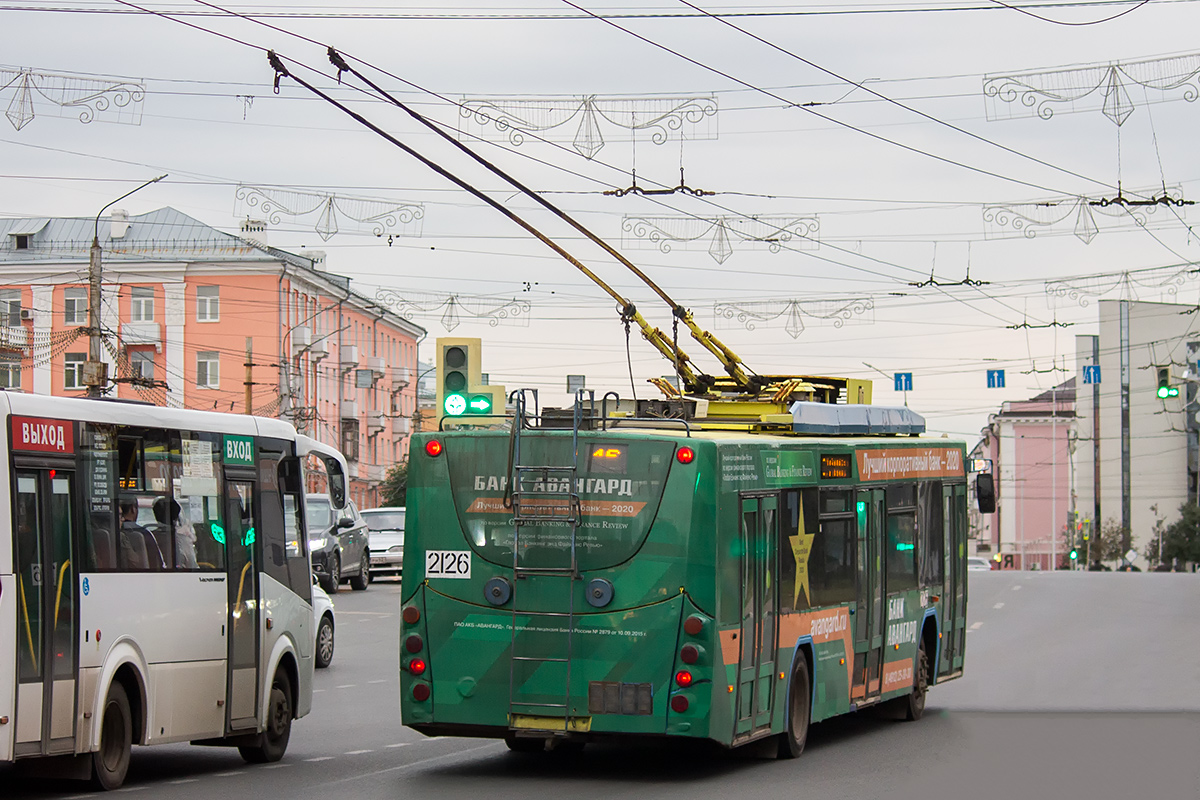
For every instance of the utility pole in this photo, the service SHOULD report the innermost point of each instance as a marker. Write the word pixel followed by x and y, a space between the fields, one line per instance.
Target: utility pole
pixel 249 375
pixel 95 374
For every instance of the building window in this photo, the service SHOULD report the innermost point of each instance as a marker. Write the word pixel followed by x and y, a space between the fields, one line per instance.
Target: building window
pixel 350 439
pixel 73 370
pixel 10 308
pixel 142 306
pixel 208 300
pixel 208 370
pixel 10 372
pixel 141 364
pixel 22 241
pixel 75 305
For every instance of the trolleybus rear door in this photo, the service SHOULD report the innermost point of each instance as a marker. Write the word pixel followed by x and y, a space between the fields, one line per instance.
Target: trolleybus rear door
pixel 868 628
pixel 954 625
pixel 240 535
pixel 759 596
pixel 46 641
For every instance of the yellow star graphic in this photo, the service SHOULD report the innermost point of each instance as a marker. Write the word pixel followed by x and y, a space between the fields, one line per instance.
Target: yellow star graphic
pixel 802 544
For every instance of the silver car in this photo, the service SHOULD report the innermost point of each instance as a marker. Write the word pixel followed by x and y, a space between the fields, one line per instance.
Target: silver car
pixel 385 539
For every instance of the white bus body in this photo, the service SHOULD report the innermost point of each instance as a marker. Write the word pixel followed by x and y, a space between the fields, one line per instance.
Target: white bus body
pixel 193 610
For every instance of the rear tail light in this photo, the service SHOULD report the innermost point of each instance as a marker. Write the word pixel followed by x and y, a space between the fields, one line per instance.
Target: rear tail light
pixel 416 666
pixel 433 448
pixel 692 626
pixel 683 678
pixel 685 455
pixel 412 615
pixel 679 703
pixel 421 692
pixel 413 644
pixel 690 654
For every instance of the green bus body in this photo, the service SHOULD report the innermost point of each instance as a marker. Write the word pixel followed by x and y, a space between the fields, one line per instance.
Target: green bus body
pixel 851 572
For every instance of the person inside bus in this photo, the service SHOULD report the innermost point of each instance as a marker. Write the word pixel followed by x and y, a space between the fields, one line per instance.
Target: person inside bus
pixel 148 556
pixel 166 511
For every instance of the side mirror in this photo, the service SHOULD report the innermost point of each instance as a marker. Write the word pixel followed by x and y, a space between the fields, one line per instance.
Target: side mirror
pixel 985 493
pixel 346 522
pixel 315 581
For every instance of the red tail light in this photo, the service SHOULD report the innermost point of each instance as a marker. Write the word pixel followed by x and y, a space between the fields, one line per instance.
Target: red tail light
pixel 416 666
pixel 685 455
pixel 679 703
pixel 693 625
pixel 421 692
pixel 413 644
pixel 412 615
pixel 690 654
pixel 433 448
pixel 683 678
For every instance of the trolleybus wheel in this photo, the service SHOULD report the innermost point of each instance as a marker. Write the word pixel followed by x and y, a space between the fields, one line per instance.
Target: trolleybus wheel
pixel 111 761
pixel 273 741
pixel 915 705
pixel 791 741
pixel 360 581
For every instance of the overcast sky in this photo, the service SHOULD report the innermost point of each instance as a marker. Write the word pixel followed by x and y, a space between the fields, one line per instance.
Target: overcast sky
pixel 898 195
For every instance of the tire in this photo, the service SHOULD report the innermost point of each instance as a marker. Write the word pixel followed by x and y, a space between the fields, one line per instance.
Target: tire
pixel 333 580
pixel 791 741
pixel 324 653
pixel 522 745
pixel 111 762
pixel 915 706
pixel 273 742
pixel 363 579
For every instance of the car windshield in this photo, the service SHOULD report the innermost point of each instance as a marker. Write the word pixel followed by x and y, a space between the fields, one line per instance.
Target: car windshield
pixel 319 514
pixel 390 520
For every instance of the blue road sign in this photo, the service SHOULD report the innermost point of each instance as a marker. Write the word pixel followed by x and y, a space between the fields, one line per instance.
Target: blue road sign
pixel 995 378
pixel 903 381
pixel 1091 373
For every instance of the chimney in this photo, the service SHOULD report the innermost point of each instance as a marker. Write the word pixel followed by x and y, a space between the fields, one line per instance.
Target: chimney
pixel 255 231
pixel 318 258
pixel 120 223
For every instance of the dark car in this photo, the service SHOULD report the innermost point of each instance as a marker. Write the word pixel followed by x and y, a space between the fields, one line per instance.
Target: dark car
pixel 338 544
pixel 386 526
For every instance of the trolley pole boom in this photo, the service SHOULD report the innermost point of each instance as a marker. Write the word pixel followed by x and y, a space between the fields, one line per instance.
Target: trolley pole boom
pixel 729 360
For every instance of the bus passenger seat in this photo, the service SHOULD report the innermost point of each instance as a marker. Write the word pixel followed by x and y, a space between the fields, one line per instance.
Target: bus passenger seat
pixel 102 541
pixel 133 551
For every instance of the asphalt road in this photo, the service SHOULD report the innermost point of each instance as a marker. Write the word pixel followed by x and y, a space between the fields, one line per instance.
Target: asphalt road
pixel 1083 685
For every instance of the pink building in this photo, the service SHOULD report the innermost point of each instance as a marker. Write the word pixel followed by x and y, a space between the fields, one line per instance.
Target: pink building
pixel 1030 446
pixel 181 305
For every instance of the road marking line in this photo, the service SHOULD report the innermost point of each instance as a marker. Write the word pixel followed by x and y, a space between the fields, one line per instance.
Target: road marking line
pixel 398 744
pixel 276 766
pixel 358 752
pixel 227 774
pixel 319 758
pixel 998 605
pixel 130 789
pixel 1015 588
pixel 185 780
pixel 379 681
pixel 977 626
pixel 346 686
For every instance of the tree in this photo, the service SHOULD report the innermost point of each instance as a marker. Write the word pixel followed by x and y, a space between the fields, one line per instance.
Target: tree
pixel 395 484
pixel 1181 540
pixel 1107 542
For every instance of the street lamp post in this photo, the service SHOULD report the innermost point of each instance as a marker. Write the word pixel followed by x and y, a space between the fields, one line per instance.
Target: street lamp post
pixel 95 377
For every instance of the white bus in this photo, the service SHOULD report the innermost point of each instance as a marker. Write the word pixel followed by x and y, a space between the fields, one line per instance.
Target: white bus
pixel 155 583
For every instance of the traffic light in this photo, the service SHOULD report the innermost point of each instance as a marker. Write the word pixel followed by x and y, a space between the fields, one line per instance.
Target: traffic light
pixel 1074 554
pixel 461 392
pixel 458 369
pixel 1165 389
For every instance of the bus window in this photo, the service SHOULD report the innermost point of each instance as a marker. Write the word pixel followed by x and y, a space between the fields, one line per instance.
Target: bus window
pixel 197 491
pixel 798 524
pixel 831 565
pixel 929 523
pixel 901 546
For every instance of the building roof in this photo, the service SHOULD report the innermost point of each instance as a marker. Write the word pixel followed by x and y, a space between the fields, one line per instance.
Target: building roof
pixel 162 235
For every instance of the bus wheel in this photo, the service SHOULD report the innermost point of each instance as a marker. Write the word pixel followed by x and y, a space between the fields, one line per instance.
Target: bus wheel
pixel 520 744
pixel 111 761
pixel 791 741
pixel 915 705
pixel 273 742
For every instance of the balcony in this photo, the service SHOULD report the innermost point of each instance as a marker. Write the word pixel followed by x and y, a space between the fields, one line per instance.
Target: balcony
pixel 376 365
pixel 375 473
pixel 376 422
pixel 301 339
pixel 401 377
pixel 318 350
pixel 401 426
pixel 141 333
pixel 349 409
pixel 14 337
pixel 349 357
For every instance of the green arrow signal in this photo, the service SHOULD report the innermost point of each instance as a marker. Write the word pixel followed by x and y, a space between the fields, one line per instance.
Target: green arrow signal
pixel 480 404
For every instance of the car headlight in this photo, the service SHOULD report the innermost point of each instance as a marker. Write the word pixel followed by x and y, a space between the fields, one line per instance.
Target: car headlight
pixel 318 544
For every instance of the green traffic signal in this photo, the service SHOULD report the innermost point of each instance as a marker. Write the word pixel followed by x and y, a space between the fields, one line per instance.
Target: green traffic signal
pixel 1074 555
pixel 454 405
pixel 480 404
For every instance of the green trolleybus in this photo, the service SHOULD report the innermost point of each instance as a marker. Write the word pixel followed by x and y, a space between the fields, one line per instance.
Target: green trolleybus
pixel 577 577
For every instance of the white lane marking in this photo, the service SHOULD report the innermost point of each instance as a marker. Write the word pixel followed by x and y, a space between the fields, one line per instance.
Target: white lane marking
pixel 397 744
pixel 410 765
pixel 185 780
pixel 365 614
pixel 276 766
pixel 317 691
pixel 358 752
pixel 346 686
pixel 1017 587
pixel 976 626
pixel 319 758
pixel 379 681
pixel 227 774
pixel 130 789
pixel 998 605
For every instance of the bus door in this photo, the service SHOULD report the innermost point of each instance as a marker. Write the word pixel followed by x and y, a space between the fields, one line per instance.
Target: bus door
pixel 47 648
pixel 759 603
pixel 954 604
pixel 868 627
pixel 240 535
